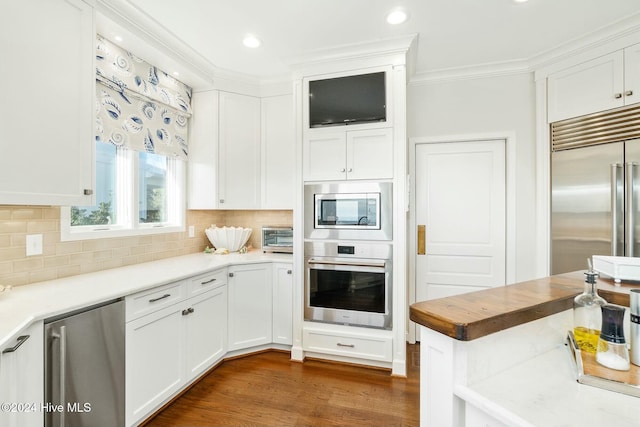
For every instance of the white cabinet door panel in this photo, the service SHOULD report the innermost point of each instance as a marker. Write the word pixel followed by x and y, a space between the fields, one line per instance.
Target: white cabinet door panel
pixel 278 158
pixel 46 117
pixel 632 74
pixel 324 157
pixel 586 88
pixel 370 154
pixel 283 304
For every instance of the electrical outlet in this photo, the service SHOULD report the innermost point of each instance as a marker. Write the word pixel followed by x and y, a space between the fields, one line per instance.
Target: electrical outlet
pixel 34 244
pixel 192 231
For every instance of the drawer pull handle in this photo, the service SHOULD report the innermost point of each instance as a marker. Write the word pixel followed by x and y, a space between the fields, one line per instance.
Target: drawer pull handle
pixel 208 281
pixel 629 93
pixel 289 271
pixel 21 340
pixel 187 311
pixel 159 298
pixel 346 345
pixel 617 95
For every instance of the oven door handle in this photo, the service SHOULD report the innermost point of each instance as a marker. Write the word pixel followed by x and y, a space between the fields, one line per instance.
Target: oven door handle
pixel 353 262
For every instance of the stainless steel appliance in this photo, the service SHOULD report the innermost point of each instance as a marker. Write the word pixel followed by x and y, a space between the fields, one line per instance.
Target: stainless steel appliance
pixel 277 239
pixel 348 210
pixel 85 367
pixel 595 189
pixel 348 283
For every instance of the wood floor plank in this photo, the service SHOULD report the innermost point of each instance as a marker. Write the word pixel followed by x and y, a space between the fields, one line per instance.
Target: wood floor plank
pixel 267 389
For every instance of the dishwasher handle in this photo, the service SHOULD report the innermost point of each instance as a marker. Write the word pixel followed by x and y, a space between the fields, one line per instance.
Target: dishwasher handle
pixel 62 369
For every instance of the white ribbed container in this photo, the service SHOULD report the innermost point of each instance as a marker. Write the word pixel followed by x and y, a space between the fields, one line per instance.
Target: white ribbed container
pixel 231 238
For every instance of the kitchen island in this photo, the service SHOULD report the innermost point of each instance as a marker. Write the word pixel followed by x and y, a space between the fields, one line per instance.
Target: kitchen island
pixel 497 358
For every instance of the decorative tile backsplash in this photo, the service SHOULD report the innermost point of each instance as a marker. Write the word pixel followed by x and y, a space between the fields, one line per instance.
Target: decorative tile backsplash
pixel 63 259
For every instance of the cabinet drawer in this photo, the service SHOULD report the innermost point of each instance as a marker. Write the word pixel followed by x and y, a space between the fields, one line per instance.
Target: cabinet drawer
pixel 206 282
pixel 153 299
pixel 350 345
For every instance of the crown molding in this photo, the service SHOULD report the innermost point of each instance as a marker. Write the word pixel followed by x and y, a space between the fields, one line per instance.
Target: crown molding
pixel 495 69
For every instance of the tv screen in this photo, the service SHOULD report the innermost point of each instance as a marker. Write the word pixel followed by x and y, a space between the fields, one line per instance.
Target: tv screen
pixel 347 100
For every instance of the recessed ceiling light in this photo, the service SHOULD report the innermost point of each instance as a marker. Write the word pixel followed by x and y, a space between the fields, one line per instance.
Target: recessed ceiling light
pixel 251 41
pixel 396 17
pixel 118 38
pixel 175 73
pixel 520 1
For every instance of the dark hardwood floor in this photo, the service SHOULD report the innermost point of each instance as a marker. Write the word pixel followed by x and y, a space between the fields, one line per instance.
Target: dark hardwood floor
pixel 267 389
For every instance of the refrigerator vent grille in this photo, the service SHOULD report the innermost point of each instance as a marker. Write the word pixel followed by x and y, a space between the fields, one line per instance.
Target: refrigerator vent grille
pixel 600 128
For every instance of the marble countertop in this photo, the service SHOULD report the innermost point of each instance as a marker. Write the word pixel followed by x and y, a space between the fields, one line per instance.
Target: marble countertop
pixel 522 397
pixel 23 305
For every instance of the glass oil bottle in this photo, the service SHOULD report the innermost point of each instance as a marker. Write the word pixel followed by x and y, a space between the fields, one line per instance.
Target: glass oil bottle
pixel 587 315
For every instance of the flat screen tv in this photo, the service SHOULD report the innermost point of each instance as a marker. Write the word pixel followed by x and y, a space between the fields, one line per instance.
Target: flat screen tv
pixel 347 100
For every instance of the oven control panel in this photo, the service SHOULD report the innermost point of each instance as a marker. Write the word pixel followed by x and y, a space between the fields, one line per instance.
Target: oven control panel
pixel 346 250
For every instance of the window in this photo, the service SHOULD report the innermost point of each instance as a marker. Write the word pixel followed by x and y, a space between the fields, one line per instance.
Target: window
pixel 136 193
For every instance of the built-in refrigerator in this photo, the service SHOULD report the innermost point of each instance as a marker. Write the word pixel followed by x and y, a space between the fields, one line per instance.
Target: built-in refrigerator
pixel 85 367
pixel 595 182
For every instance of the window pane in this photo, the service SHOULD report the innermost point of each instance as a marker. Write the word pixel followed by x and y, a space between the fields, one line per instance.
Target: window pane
pixel 152 189
pixel 104 212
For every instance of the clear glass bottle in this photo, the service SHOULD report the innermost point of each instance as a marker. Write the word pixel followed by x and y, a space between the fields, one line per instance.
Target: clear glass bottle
pixel 587 315
pixel 612 347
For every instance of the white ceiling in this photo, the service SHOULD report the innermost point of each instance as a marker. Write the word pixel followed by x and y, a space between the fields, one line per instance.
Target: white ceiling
pixel 451 33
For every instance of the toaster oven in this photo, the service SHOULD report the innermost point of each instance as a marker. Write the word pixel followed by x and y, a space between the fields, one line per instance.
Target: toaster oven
pixel 277 239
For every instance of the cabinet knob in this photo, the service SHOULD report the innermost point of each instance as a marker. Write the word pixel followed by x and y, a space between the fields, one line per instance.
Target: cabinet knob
pixel 629 93
pixel 88 192
pixel 350 170
pixel 221 200
pixel 289 272
pixel 230 274
pixel 617 95
pixel 342 170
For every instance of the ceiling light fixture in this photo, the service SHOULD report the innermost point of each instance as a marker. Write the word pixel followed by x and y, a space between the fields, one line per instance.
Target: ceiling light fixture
pixel 251 41
pixel 397 16
pixel 118 38
pixel 520 1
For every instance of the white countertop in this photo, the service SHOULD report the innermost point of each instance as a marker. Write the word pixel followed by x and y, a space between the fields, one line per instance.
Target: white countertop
pixel 24 304
pixel 543 392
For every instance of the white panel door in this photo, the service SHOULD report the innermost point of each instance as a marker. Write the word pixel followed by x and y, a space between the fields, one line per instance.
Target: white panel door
pixel 460 198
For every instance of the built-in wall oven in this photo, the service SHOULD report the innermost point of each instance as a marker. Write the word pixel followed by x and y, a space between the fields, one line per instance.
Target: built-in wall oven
pixel 348 283
pixel 348 211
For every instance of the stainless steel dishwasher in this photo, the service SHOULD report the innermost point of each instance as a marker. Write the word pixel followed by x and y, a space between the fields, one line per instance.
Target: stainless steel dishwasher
pixel 85 367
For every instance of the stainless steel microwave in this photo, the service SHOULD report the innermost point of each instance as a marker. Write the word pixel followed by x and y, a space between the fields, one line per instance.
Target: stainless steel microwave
pixel 348 210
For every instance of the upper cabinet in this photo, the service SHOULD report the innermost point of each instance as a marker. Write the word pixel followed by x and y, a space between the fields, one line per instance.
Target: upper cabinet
pixel 603 83
pixel 336 156
pixel 240 152
pixel 47 114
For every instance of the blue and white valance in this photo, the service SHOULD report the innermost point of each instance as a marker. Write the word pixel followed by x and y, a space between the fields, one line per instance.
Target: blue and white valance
pixel 139 106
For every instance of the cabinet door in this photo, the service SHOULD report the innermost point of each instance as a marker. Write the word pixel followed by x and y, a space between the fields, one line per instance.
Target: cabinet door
pixel 596 85
pixel 250 306
pixel 239 152
pixel 278 158
pixel 370 154
pixel 632 74
pixel 22 378
pixel 203 151
pixel 154 360
pixel 206 330
pixel 325 156
pixel 282 304
pixel 46 117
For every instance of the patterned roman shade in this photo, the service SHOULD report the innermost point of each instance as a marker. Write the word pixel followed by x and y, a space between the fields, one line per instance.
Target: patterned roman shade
pixel 139 106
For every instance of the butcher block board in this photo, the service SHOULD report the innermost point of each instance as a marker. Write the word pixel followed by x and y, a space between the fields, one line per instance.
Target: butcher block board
pixel 592 373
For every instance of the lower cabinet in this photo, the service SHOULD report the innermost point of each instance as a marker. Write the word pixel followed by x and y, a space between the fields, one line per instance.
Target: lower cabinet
pixel 169 347
pixel 476 417
pixel 346 341
pixel 250 308
pixel 283 304
pixel 22 378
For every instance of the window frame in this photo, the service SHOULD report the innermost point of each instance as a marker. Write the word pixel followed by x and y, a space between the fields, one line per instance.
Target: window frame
pixel 128 206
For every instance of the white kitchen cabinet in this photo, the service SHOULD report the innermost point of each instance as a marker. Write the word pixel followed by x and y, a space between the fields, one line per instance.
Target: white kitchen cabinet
pixel 22 378
pixel 344 155
pixel 277 148
pixel 203 151
pixel 239 152
pixel 47 114
pixel 169 347
pixel 206 330
pixel 250 306
pixel 603 83
pixel 475 417
pixel 283 303
pixel 346 341
pixel 155 351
